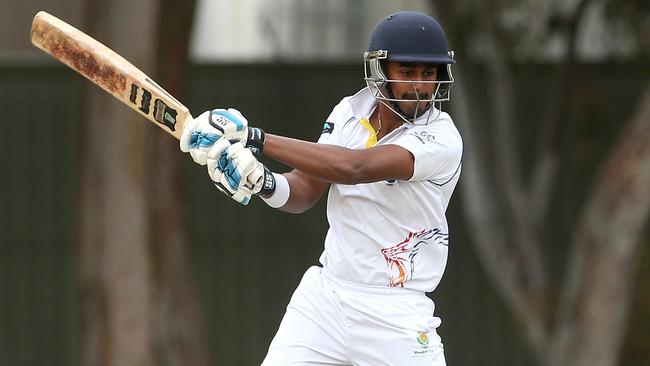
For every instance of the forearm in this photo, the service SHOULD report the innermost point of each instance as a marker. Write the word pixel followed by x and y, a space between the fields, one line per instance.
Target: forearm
pixel 305 191
pixel 333 164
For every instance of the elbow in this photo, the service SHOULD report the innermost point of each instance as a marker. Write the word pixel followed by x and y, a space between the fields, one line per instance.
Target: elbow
pixel 351 172
pixel 295 209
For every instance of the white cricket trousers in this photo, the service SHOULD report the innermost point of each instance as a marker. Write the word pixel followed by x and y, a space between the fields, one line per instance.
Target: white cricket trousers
pixel 332 322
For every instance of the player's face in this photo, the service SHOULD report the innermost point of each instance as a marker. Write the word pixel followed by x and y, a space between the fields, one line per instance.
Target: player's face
pixel 420 88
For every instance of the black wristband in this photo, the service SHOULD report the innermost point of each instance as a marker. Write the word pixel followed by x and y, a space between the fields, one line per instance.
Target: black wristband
pixel 255 140
pixel 268 187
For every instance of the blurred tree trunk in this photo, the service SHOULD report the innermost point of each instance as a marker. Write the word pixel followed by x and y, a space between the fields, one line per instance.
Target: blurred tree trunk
pixel 596 296
pixel 179 326
pixel 585 325
pixel 138 303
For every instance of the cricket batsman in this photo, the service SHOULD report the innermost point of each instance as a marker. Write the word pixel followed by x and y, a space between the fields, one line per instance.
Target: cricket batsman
pixel 389 158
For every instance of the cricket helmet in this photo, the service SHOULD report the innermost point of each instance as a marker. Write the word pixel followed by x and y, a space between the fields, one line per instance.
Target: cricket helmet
pixel 407 36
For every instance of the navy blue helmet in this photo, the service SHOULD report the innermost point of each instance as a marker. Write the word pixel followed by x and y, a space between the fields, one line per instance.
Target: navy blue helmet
pixel 407 36
pixel 410 36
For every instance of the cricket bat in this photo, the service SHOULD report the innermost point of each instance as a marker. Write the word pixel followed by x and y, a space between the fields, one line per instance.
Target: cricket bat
pixel 109 71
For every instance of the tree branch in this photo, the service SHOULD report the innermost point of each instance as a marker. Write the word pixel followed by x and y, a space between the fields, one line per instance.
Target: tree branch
pixel 597 291
pixel 544 174
pixel 487 226
pixel 507 156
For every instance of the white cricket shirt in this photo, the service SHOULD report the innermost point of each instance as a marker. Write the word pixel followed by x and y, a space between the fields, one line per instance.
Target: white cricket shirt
pixel 391 233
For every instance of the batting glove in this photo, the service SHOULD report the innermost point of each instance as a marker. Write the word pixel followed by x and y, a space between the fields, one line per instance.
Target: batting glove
pixel 234 126
pixel 235 171
pixel 199 137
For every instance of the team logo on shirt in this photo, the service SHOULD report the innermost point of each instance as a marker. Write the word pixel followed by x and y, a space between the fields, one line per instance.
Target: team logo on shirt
pixel 328 127
pixel 423 136
pixel 400 258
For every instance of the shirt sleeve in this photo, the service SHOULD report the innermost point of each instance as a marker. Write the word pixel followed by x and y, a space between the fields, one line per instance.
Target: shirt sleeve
pixel 333 124
pixel 437 149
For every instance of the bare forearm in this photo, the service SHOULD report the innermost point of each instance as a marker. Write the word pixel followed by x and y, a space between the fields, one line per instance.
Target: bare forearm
pixel 305 191
pixel 335 164
pixel 329 163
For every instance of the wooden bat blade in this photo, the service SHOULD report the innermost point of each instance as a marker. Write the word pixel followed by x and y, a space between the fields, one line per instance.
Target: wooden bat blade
pixel 109 71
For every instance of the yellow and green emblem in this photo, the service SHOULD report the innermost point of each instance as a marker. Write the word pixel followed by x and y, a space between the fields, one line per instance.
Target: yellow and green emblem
pixel 423 338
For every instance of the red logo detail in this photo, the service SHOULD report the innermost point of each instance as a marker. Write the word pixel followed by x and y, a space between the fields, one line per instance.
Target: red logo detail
pixel 397 259
pixel 400 257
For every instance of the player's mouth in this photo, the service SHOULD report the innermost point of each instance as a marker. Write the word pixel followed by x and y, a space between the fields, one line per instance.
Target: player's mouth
pixel 416 97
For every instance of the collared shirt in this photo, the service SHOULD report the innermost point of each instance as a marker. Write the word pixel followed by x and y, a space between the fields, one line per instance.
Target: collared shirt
pixel 392 233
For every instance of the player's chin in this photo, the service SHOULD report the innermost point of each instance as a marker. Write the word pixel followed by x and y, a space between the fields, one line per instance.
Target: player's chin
pixel 414 108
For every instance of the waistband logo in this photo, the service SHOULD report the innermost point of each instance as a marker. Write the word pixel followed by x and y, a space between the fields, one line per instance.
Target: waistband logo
pixel 423 338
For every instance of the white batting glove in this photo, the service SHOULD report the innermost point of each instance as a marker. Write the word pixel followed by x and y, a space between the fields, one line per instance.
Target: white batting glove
pixel 234 126
pixel 235 171
pixel 231 123
pixel 242 195
pixel 199 136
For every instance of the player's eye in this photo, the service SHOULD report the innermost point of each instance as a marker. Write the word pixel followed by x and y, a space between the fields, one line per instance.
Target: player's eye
pixel 429 73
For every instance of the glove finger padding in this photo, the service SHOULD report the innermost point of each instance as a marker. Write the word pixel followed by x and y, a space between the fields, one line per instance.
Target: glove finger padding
pixel 249 167
pixel 242 195
pixel 230 170
pixel 256 178
pixel 235 171
pixel 243 158
pixel 231 123
pixel 213 156
pixel 188 129
pixel 199 138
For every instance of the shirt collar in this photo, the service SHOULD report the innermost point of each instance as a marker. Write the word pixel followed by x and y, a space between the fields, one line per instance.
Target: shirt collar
pixel 363 103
